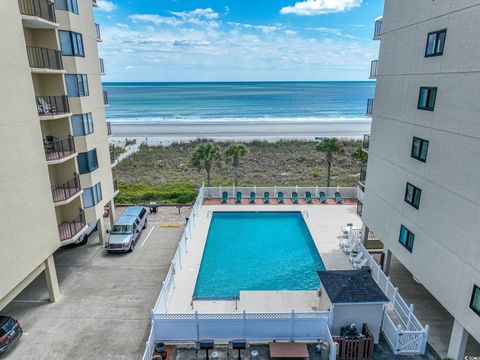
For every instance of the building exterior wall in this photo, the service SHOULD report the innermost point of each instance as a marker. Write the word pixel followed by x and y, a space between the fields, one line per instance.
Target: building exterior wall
pixel 447 247
pixel 29 218
pixel 28 227
pixel 346 314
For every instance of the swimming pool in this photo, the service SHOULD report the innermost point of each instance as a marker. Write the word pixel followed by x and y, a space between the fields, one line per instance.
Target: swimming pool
pixel 257 251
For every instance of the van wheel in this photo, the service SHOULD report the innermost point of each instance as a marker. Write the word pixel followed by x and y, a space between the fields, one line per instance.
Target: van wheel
pixel 145 225
pixel 132 247
pixel 84 241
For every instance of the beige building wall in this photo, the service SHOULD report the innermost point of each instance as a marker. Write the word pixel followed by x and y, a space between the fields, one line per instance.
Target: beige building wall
pixel 30 218
pixel 28 227
pixel 446 251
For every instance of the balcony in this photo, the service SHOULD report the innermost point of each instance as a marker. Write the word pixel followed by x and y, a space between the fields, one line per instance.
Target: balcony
pixel 99 36
pixel 38 14
pixel 58 150
pixel 363 175
pixel 109 128
pixel 64 193
pixel 366 142
pixel 102 67
pixel 53 106
pixel 378 29
pixel 115 187
pixel 43 60
pixel 370 103
pixel 374 69
pixel 105 98
pixel 68 230
pixel 94 3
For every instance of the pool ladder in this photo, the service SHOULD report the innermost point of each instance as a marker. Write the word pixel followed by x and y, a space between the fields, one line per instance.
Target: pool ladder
pixel 305 213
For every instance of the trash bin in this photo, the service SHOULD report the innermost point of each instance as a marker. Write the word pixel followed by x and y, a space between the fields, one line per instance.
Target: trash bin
pixel 214 356
pixel 254 355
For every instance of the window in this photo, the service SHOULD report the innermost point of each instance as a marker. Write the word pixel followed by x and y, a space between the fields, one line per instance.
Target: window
pixel 87 162
pixel 413 195
pixel 426 99
pixel 406 238
pixel 419 149
pixel 67 5
pixel 77 85
pixel 71 43
pixel 92 196
pixel 435 43
pixel 82 124
pixel 475 302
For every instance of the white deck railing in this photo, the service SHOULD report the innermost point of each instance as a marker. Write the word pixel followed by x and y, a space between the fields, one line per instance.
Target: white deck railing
pixel 406 336
pixel 216 192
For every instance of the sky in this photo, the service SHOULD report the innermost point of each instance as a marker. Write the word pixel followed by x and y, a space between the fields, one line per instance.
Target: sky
pixel 237 40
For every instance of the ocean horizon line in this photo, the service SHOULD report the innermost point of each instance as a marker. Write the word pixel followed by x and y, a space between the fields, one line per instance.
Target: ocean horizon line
pixel 241 82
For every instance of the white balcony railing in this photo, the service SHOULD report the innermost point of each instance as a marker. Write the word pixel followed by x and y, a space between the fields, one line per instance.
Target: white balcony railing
pixel 378 28
pixel 374 69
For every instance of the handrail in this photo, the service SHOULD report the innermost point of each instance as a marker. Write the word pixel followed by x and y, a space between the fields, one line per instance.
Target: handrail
pixel 378 28
pixel 52 105
pixel 44 9
pixel 66 190
pixel 366 141
pixel 56 149
pixel 44 58
pixel 370 103
pixel 97 29
pixel 374 69
pixel 68 229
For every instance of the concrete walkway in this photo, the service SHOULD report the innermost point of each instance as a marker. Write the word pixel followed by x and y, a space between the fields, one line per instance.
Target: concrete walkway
pixel 105 304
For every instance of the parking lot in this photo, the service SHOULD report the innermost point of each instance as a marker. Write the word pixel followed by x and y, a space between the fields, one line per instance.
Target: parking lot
pixel 105 303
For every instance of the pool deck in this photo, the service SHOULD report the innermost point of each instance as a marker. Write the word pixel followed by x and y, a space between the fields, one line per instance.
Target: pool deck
pixel 324 222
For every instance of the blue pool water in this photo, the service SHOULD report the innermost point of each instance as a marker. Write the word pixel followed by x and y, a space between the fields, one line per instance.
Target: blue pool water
pixel 257 251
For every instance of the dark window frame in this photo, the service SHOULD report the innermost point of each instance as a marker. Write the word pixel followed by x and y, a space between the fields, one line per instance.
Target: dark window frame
pixel 75 39
pixel 414 193
pixel 91 161
pixel 410 239
pixel 81 83
pixel 423 142
pixel 430 90
pixel 475 289
pixel 437 36
pixel 87 124
pixel 71 6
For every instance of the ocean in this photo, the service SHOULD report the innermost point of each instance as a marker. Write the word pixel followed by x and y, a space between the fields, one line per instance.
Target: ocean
pixel 145 103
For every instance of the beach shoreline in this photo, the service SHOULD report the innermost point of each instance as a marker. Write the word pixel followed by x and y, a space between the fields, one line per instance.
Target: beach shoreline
pixel 166 132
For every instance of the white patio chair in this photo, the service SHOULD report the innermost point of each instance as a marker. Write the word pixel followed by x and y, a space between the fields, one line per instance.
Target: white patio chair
pixel 360 264
pixel 355 258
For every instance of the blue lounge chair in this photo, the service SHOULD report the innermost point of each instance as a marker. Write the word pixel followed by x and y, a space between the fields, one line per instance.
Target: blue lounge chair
pixel 294 197
pixel 338 198
pixel 308 197
pixel 322 197
pixel 238 200
pixel 266 197
pixel 252 197
pixel 281 198
pixel 224 197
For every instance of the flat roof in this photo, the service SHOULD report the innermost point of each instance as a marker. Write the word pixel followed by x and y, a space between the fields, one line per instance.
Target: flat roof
pixel 351 286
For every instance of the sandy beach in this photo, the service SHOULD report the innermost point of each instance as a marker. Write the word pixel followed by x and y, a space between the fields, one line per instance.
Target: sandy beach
pixel 184 130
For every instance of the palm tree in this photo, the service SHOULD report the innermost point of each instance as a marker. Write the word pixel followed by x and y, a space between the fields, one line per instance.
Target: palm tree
pixel 234 152
pixel 329 146
pixel 205 156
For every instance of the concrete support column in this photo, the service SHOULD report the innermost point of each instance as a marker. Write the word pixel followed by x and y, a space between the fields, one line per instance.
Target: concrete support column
pixel 365 232
pixel 458 342
pixel 101 231
pixel 112 212
pixel 52 281
pixel 387 261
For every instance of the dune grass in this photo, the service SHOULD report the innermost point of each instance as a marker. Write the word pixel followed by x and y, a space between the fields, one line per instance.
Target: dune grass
pixel 165 174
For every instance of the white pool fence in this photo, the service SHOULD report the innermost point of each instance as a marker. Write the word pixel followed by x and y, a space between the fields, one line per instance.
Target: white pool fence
pixel 253 327
pixel 404 333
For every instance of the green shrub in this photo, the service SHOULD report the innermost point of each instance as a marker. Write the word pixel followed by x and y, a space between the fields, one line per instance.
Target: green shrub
pixel 143 193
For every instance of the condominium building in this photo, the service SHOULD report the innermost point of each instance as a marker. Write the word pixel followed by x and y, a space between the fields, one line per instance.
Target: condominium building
pixel 55 176
pixel 422 187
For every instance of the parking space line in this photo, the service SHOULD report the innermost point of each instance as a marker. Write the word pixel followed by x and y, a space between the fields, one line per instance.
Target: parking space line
pixel 144 241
